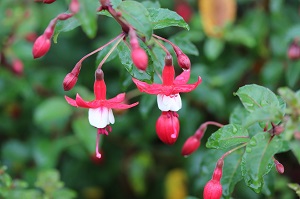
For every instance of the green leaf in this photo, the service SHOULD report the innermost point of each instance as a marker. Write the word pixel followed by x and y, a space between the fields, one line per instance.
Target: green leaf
pixel 151 4
pixel 228 136
pixel 238 114
pixel 240 35
pixel 289 97
pixel 48 117
pixel 85 133
pixel 137 15
pixel 254 97
pixel 257 160
pixel 231 172
pixel 65 26
pixel 213 48
pixel 162 18
pixel 64 193
pixel 158 56
pixel 265 115
pixel 125 58
pixel 146 104
pixel 295 147
pixel 293 73
pixel 88 17
pixel 49 181
pixel 184 43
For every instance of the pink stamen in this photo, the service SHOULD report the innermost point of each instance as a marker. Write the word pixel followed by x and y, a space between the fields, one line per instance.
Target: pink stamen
pixel 98 154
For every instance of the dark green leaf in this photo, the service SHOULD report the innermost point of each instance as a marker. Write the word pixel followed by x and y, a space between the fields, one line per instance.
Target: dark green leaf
pixel 265 115
pixel 151 4
pixel 48 117
pixel 231 172
pixel 293 73
pixel 185 44
pixel 146 104
pixel 138 16
pixel 162 18
pixel 238 114
pixel 213 48
pixel 254 96
pixel 88 17
pixel 125 57
pixel 65 26
pixel 228 136
pixel 85 133
pixel 257 160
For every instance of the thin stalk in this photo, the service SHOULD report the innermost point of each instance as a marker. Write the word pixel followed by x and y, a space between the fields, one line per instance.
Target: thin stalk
pixel 232 150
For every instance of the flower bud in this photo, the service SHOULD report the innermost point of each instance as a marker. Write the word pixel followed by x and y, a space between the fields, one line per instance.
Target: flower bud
pixel 279 167
pixel 70 81
pixel 41 46
pixel 167 127
pixel 64 16
pixel 139 58
pixel 294 51
pixel 183 61
pixel 48 1
pixel 212 190
pixel 31 37
pixel 74 6
pixel 17 66
pixel 190 146
pixel 184 10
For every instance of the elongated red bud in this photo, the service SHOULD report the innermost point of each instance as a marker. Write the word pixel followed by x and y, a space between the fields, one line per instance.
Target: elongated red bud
pixel 190 146
pixel 279 166
pixel 69 81
pixel 74 6
pixel 213 188
pixel 183 61
pixel 64 16
pixel 48 1
pixel 167 127
pixel 139 58
pixel 41 46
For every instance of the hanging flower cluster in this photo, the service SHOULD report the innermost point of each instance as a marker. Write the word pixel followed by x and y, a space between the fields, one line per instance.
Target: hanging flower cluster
pixel 100 113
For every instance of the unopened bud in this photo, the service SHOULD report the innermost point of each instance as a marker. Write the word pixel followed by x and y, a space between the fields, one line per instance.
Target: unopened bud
pixel 41 46
pixel 184 62
pixel 17 66
pixel 74 6
pixel 279 166
pixel 64 16
pixel 294 51
pixel 70 81
pixel 139 58
pixel 212 190
pixel 190 146
pixel 48 1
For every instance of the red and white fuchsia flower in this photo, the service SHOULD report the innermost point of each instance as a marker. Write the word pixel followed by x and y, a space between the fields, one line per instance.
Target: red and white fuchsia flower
pixel 100 109
pixel 167 127
pixel 168 98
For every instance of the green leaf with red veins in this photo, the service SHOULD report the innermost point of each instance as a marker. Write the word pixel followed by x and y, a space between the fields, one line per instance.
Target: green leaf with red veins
pixel 257 159
pixel 87 16
pixel 125 58
pixel 228 136
pixel 65 26
pixel 231 172
pixel 162 18
pixel 137 16
pixel 254 97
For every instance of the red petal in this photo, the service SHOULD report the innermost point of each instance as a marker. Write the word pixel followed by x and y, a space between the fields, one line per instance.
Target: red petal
pixel 183 78
pixel 120 106
pixel 186 87
pixel 118 99
pixel 148 88
pixel 84 104
pixel 71 101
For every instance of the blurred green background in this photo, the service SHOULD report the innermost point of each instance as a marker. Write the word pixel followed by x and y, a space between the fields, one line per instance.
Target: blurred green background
pixel 42 136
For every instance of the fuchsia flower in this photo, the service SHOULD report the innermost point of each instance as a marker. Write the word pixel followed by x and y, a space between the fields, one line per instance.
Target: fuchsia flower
pixel 168 98
pixel 100 109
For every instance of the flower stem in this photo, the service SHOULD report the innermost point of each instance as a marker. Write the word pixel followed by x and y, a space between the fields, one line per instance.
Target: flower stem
pixel 232 150
pixel 201 130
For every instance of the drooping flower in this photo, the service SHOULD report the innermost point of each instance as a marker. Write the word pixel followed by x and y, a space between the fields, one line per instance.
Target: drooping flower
pixel 190 146
pixel 100 109
pixel 168 98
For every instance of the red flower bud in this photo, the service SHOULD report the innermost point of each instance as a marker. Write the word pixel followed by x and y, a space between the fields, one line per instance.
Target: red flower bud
pixel 74 6
pixel 183 61
pixel 31 37
pixel 41 46
pixel 48 1
pixel 184 10
pixel 212 190
pixel 139 58
pixel 294 51
pixel 17 66
pixel 64 16
pixel 70 81
pixel 279 167
pixel 167 127
pixel 190 146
